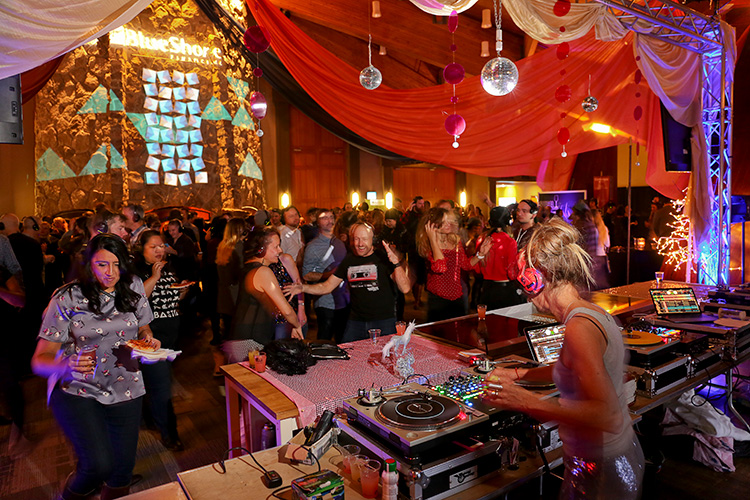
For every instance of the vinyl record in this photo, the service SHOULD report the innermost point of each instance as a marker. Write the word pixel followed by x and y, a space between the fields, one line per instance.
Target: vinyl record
pixel 638 338
pixel 535 384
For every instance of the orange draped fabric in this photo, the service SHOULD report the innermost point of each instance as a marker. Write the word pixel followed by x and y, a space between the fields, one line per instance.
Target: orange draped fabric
pixel 33 80
pixel 505 136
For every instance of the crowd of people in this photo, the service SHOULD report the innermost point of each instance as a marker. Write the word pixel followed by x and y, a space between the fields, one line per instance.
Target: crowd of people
pixel 96 281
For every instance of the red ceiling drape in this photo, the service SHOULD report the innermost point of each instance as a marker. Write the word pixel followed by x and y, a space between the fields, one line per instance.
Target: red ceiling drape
pixel 34 79
pixel 505 136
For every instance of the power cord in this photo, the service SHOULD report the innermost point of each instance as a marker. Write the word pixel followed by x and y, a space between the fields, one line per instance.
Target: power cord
pixel 270 478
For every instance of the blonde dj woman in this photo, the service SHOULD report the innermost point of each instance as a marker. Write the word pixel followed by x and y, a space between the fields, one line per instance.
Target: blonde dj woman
pixel 602 456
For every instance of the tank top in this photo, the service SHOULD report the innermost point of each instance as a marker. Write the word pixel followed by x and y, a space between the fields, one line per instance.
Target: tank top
pixel 576 441
pixel 251 320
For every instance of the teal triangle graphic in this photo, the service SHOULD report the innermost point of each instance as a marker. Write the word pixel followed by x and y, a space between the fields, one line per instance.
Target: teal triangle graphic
pixel 115 104
pixel 215 110
pixel 240 87
pixel 50 167
pixel 115 158
pixel 97 103
pixel 250 168
pixel 139 120
pixel 242 119
pixel 97 164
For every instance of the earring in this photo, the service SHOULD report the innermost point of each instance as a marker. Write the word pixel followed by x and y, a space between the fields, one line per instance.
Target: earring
pixel 263 261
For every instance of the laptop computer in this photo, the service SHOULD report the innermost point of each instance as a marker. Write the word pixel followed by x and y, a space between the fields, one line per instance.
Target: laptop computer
pixel 679 305
pixel 545 342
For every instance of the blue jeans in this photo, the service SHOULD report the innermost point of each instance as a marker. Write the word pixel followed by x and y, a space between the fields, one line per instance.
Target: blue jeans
pixel 105 439
pixel 357 330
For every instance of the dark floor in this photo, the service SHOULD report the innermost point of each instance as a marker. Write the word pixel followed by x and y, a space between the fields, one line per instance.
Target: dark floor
pixel 200 410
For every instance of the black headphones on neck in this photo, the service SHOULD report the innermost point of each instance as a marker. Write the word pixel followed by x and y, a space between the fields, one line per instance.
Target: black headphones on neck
pixel 137 211
pixel 35 227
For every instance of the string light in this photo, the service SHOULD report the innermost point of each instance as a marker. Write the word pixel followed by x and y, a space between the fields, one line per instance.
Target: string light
pixel 676 248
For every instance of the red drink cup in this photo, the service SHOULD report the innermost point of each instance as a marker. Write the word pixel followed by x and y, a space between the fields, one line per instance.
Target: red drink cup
pixel 88 352
pixel 481 311
pixel 400 327
pixel 260 362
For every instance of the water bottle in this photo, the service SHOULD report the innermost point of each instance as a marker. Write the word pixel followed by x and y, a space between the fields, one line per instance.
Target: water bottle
pixel 390 480
pixel 268 436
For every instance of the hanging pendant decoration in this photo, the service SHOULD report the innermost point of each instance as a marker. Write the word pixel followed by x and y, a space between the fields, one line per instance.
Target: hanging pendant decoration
pixel 454 73
pixel 370 77
pixel 563 92
pixel 500 75
pixel 257 41
pixel 590 103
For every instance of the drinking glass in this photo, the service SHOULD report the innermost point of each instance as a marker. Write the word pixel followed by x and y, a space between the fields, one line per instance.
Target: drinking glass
pixel 369 476
pixel 356 462
pixel 260 362
pixel 482 311
pixel 659 275
pixel 374 334
pixel 400 327
pixel 88 352
pixel 349 451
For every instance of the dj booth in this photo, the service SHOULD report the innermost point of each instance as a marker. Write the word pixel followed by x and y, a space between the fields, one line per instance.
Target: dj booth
pixel 445 441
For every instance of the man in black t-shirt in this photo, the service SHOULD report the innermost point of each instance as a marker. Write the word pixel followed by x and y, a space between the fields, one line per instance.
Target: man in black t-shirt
pixel 370 276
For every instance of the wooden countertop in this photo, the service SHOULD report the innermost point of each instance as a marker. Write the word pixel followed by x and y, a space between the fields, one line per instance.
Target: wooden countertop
pixel 261 391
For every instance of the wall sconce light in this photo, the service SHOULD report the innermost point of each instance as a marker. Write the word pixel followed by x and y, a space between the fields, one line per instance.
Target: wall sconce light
pixel 355 199
pixel 388 200
pixel 376 9
pixel 485 50
pixel 486 18
pixel 286 200
pixel 462 199
pixel 382 50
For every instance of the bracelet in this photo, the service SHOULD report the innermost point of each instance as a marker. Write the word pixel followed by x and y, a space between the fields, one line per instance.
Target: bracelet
pixel 398 264
pixel 480 257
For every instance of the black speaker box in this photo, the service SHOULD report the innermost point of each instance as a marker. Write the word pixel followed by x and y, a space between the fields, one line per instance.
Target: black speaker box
pixel 11 114
pixel 678 155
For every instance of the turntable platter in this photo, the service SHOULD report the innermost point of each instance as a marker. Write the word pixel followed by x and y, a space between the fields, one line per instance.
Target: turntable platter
pixel 416 412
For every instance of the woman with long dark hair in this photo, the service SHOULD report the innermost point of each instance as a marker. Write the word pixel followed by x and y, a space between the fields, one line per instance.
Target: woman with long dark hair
pixel 95 388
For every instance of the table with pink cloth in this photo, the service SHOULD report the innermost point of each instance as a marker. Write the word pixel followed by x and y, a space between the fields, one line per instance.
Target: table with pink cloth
pixel 329 382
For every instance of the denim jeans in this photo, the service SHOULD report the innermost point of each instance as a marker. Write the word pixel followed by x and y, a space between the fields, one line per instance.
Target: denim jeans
pixel 357 330
pixel 157 378
pixel 105 439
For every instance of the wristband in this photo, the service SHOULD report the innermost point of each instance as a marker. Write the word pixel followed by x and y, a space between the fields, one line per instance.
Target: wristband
pixel 481 257
pixel 398 264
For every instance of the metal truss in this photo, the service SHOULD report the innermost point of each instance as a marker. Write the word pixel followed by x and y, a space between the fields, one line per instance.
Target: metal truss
pixel 681 26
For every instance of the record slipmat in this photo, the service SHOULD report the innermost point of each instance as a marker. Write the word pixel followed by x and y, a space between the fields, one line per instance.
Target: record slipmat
pixel 636 338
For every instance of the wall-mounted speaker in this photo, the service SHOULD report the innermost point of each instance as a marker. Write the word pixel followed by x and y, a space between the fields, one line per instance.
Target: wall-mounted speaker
pixel 11 113
pixel 678 156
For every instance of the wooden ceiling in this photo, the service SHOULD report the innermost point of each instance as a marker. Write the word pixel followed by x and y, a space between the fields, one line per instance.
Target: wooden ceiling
pixel 418 44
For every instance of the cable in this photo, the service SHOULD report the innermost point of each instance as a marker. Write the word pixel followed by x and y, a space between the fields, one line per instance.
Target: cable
pixel 406 380
pixel 274 493
pixel 311 454
pixel 226 455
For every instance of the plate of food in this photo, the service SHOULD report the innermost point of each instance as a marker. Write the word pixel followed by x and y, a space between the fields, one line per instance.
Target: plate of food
pixel 141 349
pixel 180 286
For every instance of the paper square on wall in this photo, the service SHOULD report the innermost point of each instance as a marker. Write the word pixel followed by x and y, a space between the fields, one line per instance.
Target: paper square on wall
pixel 152 119
pixel 198 164
pixel 194 108
pixel 185 180
pixel 166 135
pixel 170 179
pixel 180 107
pixel 152 163
pixel 165 121
pixel 167 150
pixel 150 89
pixel 164 76
pixel 194 121
pixel 178 77
pixel 195 136
pixel 183 165
pixel 153 148
pixel 149 75
pixel 168 165
pixel 201 177
pixel 180 122
pixel 165 92
pixel 196 150
pixel 165 106
pixel 191 78
pixel 152 134
pixel 151 177
pixel 192 94
pixel 150 104
pixel 178 93
pixel 182 151
pixel 181 137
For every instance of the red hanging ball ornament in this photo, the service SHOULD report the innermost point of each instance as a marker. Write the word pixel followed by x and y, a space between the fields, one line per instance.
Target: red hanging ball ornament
pixel 258 72
pixel 638 113
pixel 455 124
pixel 638 76
pixel 563 93
pixel 453 22
pixel 563 50
pixel 563 72
pixel 256 39
pixel 563 135
pixel 562 29
pixel 563 115
pixel 454 73
pixel 561 7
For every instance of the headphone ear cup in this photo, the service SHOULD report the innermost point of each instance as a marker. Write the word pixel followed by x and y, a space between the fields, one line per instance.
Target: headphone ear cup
pixel 2 226
pixel 531 280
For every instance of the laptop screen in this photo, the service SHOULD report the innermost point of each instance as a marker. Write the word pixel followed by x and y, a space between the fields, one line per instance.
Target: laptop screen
pixel 545 342
pixel 675 301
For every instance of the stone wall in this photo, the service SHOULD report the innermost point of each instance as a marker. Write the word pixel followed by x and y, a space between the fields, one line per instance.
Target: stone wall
pixel 155 113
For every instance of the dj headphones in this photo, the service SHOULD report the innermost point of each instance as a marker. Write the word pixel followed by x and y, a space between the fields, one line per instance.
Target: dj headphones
pixel 35 227
pixel 178 223
pixel 137 212
pixel 530 279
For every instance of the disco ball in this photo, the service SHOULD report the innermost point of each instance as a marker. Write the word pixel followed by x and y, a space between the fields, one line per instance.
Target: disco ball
pixel 590 104
pixel 499 76
pixel 370 77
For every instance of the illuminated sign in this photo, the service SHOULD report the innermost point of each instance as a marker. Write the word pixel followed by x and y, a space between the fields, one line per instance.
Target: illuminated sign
pixel 174 48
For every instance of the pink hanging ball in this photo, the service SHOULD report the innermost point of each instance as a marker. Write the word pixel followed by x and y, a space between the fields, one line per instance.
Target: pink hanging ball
pixel 638 113
pixel 454 73
pixel 453 22
pixel 258 105
pixel 563 93
pixel 563 50
pixel 256 39
pixel 455 124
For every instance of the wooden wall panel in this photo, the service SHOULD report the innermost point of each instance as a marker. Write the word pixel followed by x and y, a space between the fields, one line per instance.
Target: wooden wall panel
pixel 318 163
pixel 433 185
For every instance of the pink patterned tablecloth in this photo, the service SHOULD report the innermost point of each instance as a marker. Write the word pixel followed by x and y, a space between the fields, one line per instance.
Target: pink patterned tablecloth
pixel 329 382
